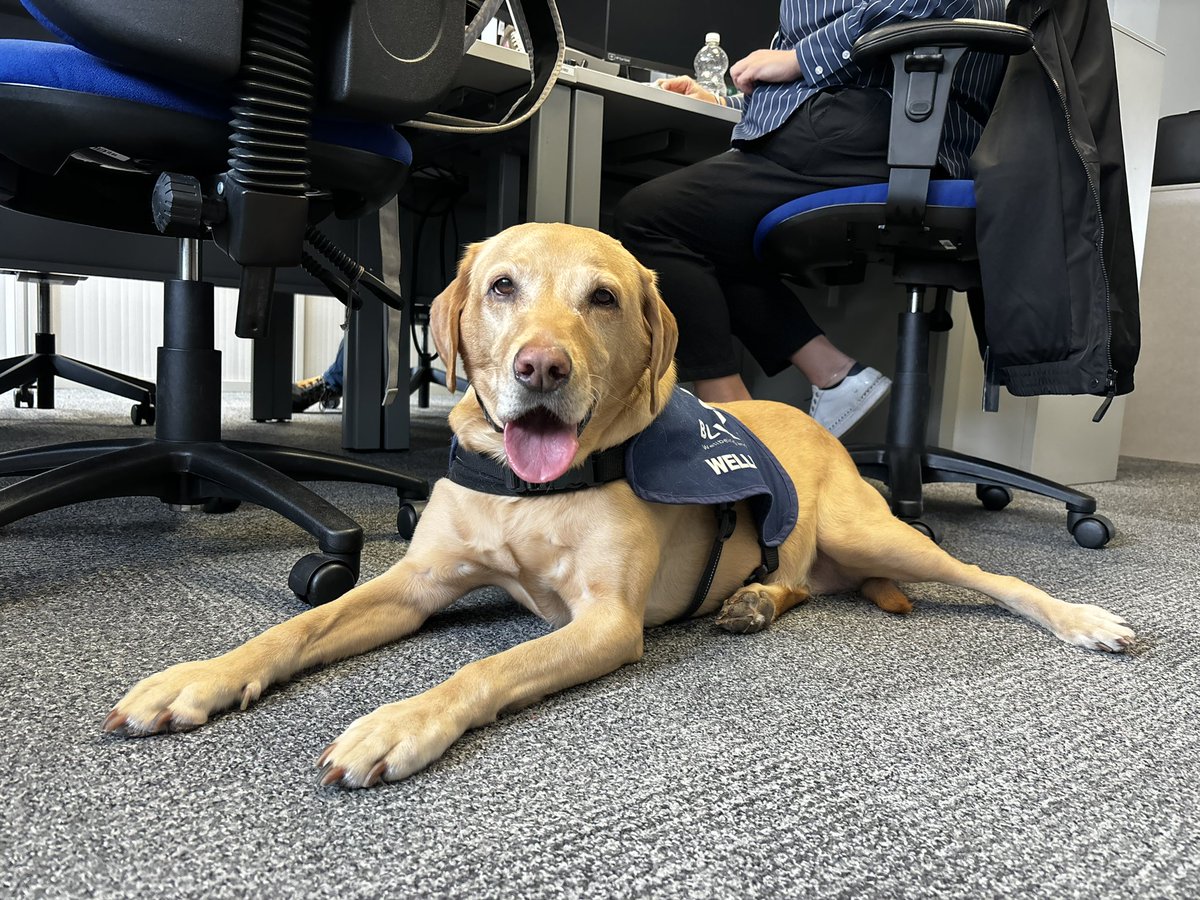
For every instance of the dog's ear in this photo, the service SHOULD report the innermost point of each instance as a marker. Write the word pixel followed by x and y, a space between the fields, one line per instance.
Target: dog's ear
pixel 664 335
pixel 445 316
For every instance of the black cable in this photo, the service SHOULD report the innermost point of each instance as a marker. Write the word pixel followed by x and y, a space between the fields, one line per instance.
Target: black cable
pixel 450 187
pixel 353 271
pixel 338 288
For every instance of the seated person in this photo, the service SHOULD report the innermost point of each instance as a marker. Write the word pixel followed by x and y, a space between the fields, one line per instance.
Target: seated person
pixel 325 389
pixel 812 120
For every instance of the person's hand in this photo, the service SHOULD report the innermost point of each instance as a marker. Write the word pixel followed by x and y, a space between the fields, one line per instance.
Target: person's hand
pixel 689 88
pixel 772 66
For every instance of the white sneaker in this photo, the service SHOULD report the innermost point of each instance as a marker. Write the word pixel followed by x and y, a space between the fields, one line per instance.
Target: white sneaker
pixel 840 408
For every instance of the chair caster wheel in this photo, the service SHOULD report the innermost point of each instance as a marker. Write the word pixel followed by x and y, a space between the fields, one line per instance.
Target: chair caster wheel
pixel 408 517
pixel 993 496
pixel 141 414
pixel 319 578
pixel 926 529
pixel 1090 530
pixel 221 505
pixel 23 396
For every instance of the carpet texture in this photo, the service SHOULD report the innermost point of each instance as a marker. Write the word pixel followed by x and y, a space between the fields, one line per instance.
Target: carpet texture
pixel 958 752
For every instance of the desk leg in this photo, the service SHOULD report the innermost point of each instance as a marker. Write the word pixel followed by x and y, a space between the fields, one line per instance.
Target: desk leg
pixel 396 416
pixel 271 364
pixel 585 156
pixel 504 193
pixel 363 387
pixel 366 423
pixel 549 139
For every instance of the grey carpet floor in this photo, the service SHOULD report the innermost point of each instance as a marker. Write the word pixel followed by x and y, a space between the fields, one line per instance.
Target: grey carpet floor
pixel 957 752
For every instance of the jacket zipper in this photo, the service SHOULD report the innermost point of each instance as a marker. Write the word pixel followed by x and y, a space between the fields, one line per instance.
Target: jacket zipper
pixel 1110 376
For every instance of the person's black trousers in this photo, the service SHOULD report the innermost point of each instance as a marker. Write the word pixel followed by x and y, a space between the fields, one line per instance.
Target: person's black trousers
pixel 695 228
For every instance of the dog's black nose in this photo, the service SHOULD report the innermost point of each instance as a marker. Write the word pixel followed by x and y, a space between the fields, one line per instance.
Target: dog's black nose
pixel 541 368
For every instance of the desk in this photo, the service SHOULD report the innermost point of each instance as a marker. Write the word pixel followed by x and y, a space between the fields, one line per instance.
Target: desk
pixel 589 118
pixel 640 126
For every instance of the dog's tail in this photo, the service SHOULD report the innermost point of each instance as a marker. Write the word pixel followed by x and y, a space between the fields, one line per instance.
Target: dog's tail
pixel 886 594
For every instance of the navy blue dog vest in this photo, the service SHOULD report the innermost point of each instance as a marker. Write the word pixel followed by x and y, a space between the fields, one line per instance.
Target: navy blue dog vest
pixel 691 454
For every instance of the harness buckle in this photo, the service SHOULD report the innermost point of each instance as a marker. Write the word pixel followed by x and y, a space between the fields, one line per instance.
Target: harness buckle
pixel 770 562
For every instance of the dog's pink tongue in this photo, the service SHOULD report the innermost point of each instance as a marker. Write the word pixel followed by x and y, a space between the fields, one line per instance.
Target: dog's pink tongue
pixel 540 446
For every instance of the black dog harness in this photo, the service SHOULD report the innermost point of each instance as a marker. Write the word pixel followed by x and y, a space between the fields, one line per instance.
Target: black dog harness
pixel 691 454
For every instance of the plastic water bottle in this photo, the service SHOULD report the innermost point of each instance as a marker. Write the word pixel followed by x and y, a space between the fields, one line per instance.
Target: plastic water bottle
pixel 711 64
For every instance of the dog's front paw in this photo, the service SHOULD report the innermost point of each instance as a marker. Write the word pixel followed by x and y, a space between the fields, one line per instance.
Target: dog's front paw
pixel 389 744
pixel 179 699
pixel 1093 627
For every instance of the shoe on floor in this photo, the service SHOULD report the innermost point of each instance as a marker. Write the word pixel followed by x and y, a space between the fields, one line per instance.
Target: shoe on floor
pixel 841 407
pixel 314 390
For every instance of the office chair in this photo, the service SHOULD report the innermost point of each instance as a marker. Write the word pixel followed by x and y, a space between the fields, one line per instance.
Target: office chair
pixel 925 230
pixel 32 375
pixel 154 118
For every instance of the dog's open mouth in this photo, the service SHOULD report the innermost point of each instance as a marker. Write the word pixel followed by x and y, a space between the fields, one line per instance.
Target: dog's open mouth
pixel 540 445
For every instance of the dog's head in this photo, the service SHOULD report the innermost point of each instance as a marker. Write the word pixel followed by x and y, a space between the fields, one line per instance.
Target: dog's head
pixel 565 340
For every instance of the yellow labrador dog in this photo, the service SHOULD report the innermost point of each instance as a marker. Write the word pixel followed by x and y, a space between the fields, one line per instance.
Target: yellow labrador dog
pixel 569 350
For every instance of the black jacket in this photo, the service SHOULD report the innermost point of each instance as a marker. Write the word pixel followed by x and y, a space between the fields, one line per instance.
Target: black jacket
pixel 1059 302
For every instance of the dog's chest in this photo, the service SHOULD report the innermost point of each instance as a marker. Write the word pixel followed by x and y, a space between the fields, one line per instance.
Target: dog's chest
pixel 542 550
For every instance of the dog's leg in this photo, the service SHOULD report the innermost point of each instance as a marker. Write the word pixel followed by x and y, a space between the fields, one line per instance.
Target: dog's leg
pixel 375 613
pixel 755 606
pixel 864 538
pixel 401 738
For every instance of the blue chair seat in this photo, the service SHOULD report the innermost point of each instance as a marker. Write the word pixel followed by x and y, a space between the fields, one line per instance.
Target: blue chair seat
pixel 67 68
pixel 828 237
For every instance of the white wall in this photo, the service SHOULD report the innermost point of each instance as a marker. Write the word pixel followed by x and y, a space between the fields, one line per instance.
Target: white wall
pixel 1139 16
pixel 1175 26
pixel 1179 34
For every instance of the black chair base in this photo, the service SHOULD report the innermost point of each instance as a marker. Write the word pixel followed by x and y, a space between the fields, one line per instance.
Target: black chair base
pixel 32 379
pixel 993 485
pixel 37 371
pixel 214 476
pixel 423 374
pixel 187 464
pixel 905 464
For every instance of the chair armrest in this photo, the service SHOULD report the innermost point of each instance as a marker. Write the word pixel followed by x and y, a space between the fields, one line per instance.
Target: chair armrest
pixel 924 55
pixel 984 35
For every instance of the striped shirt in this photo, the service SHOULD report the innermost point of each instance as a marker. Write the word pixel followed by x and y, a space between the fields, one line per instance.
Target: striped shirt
pixel 823 32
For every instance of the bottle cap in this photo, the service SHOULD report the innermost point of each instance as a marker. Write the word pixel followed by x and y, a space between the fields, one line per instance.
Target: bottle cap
pixel 713 37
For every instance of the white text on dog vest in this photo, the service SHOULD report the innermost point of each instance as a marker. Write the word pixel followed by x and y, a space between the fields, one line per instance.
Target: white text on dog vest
pixel 730 462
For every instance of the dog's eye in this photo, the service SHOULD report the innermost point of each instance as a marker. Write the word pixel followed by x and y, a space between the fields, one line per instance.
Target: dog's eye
pixel 503 287
pixel 604 297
